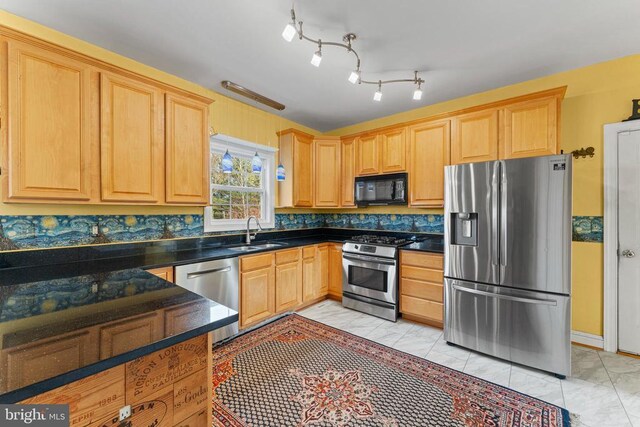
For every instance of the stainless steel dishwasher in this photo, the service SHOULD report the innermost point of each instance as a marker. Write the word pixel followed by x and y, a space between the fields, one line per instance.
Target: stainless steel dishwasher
pixel 217 280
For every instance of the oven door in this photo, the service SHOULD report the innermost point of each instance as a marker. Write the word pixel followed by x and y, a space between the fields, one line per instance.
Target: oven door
pixel 370 276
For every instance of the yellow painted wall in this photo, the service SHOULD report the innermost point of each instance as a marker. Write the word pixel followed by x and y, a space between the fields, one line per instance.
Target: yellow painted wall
pixel 596 95
pixel 228 116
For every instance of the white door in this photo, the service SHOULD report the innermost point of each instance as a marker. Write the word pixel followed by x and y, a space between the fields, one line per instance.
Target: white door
pixel 629 241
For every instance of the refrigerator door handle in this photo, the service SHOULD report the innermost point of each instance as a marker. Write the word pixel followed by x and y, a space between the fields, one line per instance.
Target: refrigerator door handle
pixel 506 297
pixel 503 213
pixel 495 237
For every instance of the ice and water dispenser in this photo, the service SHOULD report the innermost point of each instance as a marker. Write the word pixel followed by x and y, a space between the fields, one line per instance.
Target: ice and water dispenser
pixel 464 228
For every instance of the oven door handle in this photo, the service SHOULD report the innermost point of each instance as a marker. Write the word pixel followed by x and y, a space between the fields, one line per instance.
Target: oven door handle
pixel 369 259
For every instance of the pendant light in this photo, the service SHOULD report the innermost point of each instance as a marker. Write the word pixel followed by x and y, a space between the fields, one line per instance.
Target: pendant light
pixel 227 163
pixel 256 164
pixel 378 95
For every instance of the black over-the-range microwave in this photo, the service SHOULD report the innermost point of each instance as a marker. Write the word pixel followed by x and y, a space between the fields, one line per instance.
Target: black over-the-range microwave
pixel 380 190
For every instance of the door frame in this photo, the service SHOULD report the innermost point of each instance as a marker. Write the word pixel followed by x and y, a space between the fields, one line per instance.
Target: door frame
pixel 610 318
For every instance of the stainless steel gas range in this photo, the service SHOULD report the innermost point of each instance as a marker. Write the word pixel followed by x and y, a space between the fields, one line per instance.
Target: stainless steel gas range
pixel 370 275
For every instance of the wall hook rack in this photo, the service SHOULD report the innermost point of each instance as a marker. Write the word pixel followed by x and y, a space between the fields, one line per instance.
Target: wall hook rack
pixel 584 152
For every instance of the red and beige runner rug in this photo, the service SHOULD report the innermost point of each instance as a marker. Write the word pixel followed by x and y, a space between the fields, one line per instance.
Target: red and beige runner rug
pixel 298 372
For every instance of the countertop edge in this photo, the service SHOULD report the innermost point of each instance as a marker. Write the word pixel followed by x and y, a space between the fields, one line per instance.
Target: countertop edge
pixel 95 368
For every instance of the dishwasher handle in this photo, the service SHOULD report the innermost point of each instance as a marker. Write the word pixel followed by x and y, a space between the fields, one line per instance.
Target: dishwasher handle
pixel 196 274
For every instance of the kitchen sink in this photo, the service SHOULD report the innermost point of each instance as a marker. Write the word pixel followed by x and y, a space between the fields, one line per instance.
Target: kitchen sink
pixel 249 248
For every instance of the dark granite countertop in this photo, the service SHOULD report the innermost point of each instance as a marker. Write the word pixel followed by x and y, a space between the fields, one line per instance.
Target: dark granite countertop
pixel 37 316
pixel 428 245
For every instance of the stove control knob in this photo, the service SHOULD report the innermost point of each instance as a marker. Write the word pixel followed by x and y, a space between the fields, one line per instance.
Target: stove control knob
pixel 356 246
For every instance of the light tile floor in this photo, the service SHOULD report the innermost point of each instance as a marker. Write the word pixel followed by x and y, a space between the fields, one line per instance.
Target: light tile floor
pixel 604 389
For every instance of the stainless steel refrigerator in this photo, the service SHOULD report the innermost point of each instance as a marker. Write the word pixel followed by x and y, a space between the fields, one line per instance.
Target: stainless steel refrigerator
pixel 508 260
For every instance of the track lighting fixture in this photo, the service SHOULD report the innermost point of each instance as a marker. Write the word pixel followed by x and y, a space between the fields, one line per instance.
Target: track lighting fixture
pixel 378 95
pixel 295 28
pixel 317 56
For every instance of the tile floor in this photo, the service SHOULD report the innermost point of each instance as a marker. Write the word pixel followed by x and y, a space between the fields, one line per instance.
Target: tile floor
pixel 604 389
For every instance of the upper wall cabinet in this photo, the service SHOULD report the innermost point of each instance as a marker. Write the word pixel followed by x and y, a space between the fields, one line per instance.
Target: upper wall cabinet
pixel 131 140
pixel 327 172
pixel 393 151
pixel 297 156
pixel 367 155
pixel 347 174
pixel 531 128
pixel 428 155
pixel 187 151
pixel 475 137
pixel 84 131
pixel 51 128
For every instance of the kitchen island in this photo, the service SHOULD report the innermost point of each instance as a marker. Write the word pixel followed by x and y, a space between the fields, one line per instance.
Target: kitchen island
pixel 107 340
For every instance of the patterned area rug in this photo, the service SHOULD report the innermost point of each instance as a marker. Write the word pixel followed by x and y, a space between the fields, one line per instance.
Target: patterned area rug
pixel 298 372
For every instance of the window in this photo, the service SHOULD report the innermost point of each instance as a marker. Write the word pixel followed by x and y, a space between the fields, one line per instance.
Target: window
pixel 242 193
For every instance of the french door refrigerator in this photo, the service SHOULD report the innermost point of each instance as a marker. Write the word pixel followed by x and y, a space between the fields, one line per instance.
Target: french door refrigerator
pixel 508 260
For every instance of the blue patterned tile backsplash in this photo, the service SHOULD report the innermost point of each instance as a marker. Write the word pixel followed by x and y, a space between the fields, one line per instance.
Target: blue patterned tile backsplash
pixel 37 232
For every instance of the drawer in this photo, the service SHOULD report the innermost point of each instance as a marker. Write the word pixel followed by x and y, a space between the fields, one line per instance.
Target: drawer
pixel 419 289
pixel 425 274
pixel 422 259
pixel 421 307
pixel 255 262
pixel 308 252
pixel 287 256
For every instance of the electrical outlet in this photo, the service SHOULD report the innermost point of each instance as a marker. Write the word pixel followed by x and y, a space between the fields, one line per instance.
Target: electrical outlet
pixel 94 230
pixel 125 412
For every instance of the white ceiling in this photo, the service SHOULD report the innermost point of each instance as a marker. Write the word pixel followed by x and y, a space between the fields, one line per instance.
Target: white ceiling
pixel 460 46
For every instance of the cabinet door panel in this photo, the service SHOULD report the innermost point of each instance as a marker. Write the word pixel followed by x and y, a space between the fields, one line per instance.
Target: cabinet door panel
pixel 475 137
pixel 124 336
pixel 288 286
pixel 51 131
pixel 393 151
pixel 303 172
pixel 26 364
pixel 335 270
pixel 429 154
pixel 323 263
pixel 131 140
pixel 257 293
pixel 531 128
pixel 310 278
pixel 348 166
pixel 187 151
pixel 367 155
pixel 327 171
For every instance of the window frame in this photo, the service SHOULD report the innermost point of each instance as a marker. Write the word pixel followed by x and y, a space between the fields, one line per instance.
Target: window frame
pixel 220 144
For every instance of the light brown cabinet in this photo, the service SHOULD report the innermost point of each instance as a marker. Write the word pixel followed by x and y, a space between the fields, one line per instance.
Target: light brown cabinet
pixel 323 271
pixel 131 140
pixel 52 126
pixel 187 150
pixel 347 173
pixel 531 128
pixel 393 150
pixel 310 274
pixel 165 273
pixel 421 287
pixel 288 279
pixel 428 155
pixel 120 337
pixel 83 131
pixel 367 155
pixel 257 289
pixel 296 155
pixel 335 271
pixel 475 137
pixel 327 172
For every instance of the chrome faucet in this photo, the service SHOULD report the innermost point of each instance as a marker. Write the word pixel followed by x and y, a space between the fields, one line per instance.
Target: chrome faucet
pixel 249 236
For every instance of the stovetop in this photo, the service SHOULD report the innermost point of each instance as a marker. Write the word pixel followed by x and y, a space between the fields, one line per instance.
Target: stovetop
pixel 379 240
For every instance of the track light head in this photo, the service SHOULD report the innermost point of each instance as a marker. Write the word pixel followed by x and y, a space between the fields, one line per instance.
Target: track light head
pixel 289 32
pixel 317 57
pixel 378 95
pixel 354 77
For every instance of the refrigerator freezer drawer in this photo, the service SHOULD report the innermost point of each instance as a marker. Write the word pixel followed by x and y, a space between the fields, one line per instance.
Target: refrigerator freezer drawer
pixel 529 328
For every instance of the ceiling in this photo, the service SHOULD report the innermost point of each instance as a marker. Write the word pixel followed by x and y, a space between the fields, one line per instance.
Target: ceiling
pixel 459 46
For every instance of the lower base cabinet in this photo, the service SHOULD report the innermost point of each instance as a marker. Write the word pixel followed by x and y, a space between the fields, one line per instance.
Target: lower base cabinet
pixel 276 282
pixel 162 391
pixel 335 271
pixel 422 287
